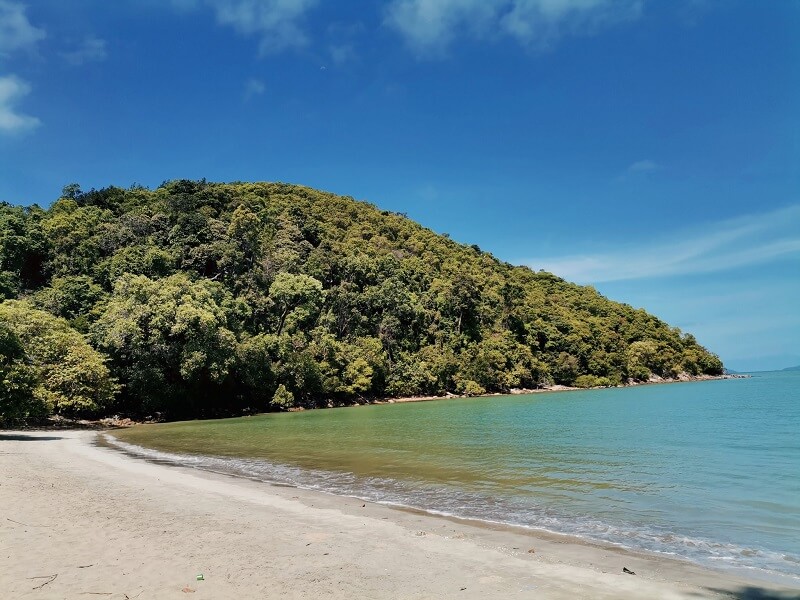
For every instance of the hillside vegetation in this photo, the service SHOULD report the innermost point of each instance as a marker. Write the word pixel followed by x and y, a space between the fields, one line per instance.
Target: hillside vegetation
pixel 202 299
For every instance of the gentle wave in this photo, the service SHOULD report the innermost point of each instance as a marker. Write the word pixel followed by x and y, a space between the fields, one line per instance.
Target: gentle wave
pixel 451 501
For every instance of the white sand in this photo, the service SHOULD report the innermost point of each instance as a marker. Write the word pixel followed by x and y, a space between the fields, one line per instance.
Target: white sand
pixel 109 526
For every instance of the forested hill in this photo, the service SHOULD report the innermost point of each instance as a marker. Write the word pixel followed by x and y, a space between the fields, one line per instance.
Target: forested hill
pixel 201 299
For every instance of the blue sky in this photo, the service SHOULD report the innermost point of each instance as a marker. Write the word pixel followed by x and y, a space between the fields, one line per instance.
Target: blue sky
pixel 649 148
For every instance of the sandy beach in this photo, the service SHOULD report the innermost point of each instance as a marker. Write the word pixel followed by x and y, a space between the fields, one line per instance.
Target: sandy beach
pixel 81 521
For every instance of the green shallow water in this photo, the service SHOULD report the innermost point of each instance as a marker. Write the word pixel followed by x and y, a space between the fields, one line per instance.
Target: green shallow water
pixel 709 471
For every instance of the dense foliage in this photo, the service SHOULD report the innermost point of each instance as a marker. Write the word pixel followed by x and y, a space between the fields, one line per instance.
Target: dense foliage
pixel 209 299
pixel 48 367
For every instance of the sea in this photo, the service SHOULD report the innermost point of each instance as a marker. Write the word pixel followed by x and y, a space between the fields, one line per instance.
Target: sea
pixel 707 471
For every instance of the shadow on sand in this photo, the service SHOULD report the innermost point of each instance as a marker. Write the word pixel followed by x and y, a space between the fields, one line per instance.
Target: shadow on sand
pixel 21 437
pixel 755 593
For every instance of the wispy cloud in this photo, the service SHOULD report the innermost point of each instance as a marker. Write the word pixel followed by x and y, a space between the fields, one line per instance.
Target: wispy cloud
pixel 540 23
pixel 342 53
pixel 643 166
pixel 638 170
pixel 726 245
pixel 16 31
pixel 275 23
pixel 12 89
pixel 430 26
pixel 253 87
pixel 91 49
pixel 17 34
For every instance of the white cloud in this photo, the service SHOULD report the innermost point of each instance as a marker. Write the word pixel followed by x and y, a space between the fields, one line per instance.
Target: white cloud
pixel 430 26
pixel 276 23
pixel 11 90
pixel 726 245
pixel 91 49
pixel 540 23
pixel 16 32
pixel 253 87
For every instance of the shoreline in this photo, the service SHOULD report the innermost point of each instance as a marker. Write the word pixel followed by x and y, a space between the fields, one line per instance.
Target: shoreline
pixel 109 440
pixel 59 423
pixel 123 526
pixel 546 389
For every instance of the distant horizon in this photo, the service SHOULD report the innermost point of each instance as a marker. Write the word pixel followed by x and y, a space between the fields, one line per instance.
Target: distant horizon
pixel 792 368
pixel 645 148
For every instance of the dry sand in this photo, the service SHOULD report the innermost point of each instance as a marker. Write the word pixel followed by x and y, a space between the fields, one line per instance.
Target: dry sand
pixel 80 521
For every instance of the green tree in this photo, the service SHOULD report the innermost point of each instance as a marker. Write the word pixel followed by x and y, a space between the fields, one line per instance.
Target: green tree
pixel 72 378
pixel 641 356
pixel 23 249
pixel 170 341
pixel 76 235
pixel 282 398
pixel 72 297
pixel 257 363
pixel 297 298
pixel 17 381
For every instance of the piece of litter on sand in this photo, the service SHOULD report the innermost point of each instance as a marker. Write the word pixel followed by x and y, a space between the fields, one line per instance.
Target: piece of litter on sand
pixel 462 589
pixel 628 571
pixel 187 590
pixel 200 577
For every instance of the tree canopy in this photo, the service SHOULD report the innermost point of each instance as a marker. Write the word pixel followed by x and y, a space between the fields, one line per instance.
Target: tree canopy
pixel 202 299
pixel 50 367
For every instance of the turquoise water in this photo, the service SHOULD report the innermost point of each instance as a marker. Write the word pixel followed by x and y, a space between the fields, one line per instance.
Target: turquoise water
pixel 709 471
